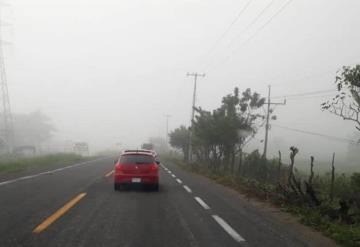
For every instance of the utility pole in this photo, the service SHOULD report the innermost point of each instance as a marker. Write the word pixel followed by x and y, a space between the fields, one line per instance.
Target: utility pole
pixel 6 121
pixel 167 129
pixel 267 125
pixel 195 75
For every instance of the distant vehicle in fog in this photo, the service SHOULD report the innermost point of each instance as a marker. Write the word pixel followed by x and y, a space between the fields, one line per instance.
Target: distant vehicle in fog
pixel 81 148
pixel 148 146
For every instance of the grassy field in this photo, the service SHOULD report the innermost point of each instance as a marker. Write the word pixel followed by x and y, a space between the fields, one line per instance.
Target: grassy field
pixel 12 165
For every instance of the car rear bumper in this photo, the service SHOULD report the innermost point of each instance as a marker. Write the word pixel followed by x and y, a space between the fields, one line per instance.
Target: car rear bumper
pixel 127 178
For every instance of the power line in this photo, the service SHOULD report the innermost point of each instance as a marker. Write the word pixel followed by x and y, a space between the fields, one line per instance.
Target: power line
pixel 229 27
pixel 310 97
pixel 334 138
pixel 258 16
pixel 282 8
pixel 320 72
pixel 304 94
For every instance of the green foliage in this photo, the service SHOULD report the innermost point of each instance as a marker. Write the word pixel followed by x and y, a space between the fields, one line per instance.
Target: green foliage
pixel 348 77
pixel 347 235
pixel 256 167
pixel 220 134
pixel 346 103
pixel 179 138
pixel 355 182
pixel 21 164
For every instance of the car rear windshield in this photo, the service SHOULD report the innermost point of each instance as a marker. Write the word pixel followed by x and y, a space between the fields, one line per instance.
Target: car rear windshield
pixel 136 159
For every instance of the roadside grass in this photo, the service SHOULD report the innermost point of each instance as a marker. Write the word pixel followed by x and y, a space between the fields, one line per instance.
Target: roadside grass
pixel 344 234
pixel 12 165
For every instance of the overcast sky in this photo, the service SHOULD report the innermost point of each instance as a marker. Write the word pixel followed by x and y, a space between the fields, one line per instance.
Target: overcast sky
pixel 108 71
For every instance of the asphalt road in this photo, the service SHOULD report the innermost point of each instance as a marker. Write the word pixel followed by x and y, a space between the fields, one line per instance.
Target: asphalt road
pixel 77 206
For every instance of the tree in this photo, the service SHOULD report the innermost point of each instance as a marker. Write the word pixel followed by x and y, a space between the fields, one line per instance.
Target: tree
pixel 179 138
pixel 32 129
pixel 346 104
pixel 218 135
pixel 250 103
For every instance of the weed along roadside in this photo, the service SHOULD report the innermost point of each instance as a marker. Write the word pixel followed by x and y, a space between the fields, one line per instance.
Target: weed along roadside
pixel 22 164
pixel 328 203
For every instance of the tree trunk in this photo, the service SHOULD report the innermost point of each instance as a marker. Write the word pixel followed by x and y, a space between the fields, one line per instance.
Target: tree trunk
pixel 240 161
pixel 185 152
pixel 279 167
pixel 232 160
pixel 311 170
pixel 332 178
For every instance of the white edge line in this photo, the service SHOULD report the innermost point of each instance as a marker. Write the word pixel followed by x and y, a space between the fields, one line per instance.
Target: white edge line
pixel 202 203
pixel 187 188
pixel 173 175
pixel 109 173
pixel 48 172
pixel 236 236
pixel 179 181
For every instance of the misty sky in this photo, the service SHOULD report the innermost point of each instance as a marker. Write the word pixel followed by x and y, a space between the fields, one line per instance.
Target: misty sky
pixel 108 71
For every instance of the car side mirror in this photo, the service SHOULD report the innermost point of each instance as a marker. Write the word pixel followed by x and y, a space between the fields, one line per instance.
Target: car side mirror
pixel 115 161
pixel 157 162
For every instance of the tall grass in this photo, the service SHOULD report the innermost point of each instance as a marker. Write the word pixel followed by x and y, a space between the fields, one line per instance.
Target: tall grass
pixel 24 163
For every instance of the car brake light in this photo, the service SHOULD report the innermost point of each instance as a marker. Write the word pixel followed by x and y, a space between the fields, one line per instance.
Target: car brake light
pixel 118 167
pixel 154 168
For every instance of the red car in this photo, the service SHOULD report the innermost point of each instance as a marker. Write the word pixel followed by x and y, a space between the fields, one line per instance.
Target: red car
pixel 136 168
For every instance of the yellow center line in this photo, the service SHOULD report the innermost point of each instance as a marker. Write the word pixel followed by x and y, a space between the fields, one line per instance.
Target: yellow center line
pixel 46 223
pixel 109 173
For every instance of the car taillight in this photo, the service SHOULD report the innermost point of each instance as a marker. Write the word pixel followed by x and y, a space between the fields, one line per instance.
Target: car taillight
pixel 154 168
pixel 118 167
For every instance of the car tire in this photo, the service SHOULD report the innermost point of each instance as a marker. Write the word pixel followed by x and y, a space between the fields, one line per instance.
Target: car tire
pixel 156 187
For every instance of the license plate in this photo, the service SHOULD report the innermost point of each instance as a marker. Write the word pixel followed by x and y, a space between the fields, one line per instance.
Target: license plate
pixel 136 180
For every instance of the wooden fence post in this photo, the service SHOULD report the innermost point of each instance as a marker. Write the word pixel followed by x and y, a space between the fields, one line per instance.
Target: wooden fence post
pixel 311 170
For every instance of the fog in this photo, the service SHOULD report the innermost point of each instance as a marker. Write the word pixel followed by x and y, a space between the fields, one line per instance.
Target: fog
pixel 108 72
